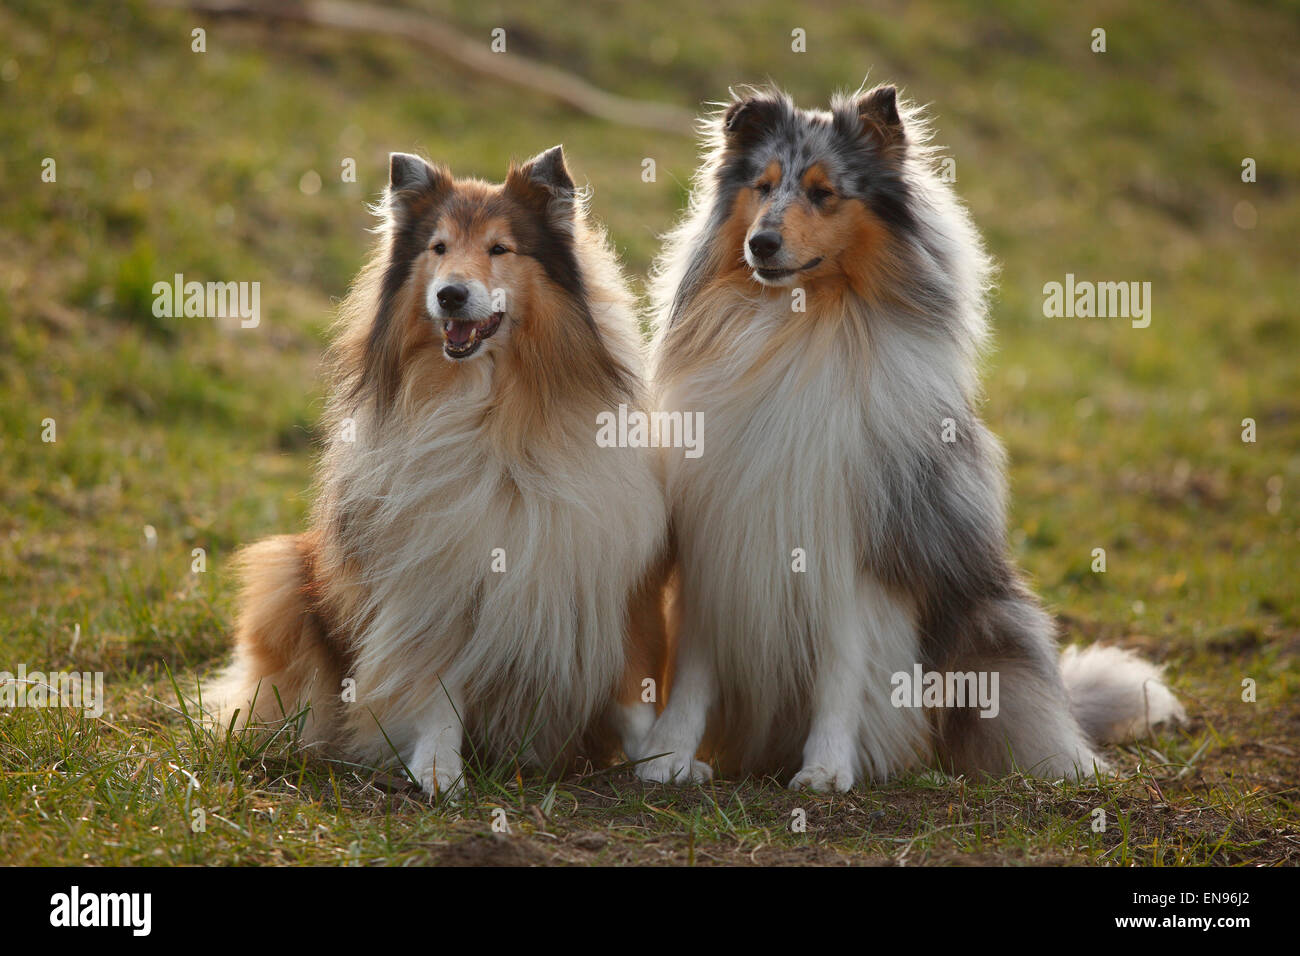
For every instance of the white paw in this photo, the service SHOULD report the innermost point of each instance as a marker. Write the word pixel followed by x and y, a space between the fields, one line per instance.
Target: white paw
pixel 1083 767
pixel 676 767
pixel 445 782
pixel 823 779
pixel 634 725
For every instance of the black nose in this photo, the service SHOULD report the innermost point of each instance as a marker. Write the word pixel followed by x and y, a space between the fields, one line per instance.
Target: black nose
pixel 765 243
pixel 453 297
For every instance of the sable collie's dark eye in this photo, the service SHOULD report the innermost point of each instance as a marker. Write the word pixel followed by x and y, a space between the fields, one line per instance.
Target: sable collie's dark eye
pixel 764 189
pixel 817 195
pixel 439 247
pixel 498 250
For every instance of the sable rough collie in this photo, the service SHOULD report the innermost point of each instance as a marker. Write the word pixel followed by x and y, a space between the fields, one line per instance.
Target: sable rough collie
pixel 822 306
pixel 486 574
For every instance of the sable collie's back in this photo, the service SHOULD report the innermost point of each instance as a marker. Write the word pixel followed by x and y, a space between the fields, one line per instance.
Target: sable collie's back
pixel 476 562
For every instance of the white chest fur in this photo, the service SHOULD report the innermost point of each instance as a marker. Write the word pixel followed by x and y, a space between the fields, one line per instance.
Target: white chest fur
pixel 765 517
pixel 510 577
pixel 769 524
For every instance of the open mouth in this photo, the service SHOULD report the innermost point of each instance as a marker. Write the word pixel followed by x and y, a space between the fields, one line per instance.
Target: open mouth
pixel 773 274
pixel 462 338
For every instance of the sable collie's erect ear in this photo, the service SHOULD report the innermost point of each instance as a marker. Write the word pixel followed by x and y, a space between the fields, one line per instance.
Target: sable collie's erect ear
pixel 407 173
pixel 544 184
pixel 548 169
pixel 878 112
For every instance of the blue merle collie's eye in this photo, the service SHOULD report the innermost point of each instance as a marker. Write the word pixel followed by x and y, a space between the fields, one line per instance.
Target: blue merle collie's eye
pixel 764 189
pixel 498 250
pixel 817 195
pixel 439 247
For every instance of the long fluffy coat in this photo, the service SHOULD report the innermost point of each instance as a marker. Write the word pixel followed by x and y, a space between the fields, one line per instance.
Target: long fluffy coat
pixel 476 563
pixel 831 537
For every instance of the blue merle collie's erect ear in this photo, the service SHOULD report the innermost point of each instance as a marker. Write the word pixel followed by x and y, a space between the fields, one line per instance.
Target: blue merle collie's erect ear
pixel 544 185
pixel 747 120
pixel 878 118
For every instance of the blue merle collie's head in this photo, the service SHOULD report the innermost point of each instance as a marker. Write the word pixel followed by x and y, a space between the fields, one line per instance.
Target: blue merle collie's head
pixel 813 193
pixel 837 201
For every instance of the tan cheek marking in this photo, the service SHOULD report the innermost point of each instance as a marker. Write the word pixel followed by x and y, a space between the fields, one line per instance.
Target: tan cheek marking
pixel 549 358
pixel 526 296
pixel 513 274
pixel 521 305
pixel 729 247
pixel 867 258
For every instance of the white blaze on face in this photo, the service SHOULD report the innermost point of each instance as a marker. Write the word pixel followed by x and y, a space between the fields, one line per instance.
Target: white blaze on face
pixel 468 319
pixel 477 307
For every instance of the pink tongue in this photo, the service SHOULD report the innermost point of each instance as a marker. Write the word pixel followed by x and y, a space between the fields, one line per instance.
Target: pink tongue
pixel 459 333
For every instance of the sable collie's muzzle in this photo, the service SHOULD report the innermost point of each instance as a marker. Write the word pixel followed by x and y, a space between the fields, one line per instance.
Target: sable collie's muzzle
pixel 464 312
pixel 461 339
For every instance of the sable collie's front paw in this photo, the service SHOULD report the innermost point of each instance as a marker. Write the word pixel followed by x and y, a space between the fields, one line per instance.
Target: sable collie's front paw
pixel 678 767
pixel 822 779
pixel 445 782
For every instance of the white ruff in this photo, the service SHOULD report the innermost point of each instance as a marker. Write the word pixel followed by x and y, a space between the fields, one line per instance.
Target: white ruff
pixel 786 469
pixel 538 649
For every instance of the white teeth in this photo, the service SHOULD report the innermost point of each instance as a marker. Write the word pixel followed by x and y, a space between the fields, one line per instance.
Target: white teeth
pixel 459 346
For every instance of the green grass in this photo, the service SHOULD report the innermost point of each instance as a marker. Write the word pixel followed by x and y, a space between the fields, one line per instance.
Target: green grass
pixel 1118 166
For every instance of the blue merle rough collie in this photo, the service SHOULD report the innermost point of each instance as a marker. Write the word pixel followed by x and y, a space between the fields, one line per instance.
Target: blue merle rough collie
pixel 822 305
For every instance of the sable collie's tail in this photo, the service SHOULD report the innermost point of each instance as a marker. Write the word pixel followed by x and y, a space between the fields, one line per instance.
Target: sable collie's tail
pixel 1116 695
pixel 284 660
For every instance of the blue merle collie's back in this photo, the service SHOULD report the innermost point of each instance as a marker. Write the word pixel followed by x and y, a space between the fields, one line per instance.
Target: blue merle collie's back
pixel 823 306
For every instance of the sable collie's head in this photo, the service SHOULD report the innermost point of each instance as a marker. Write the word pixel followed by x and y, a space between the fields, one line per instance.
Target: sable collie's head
pixel 476 274
pixel 478 246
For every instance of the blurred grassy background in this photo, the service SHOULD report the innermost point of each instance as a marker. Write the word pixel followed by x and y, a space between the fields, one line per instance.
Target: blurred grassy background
pixel 225 165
